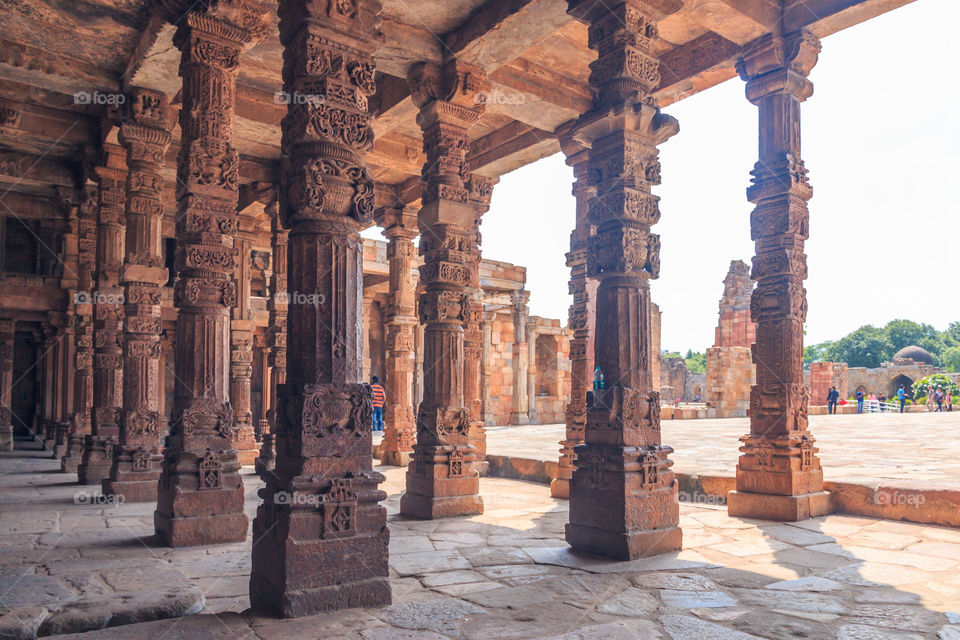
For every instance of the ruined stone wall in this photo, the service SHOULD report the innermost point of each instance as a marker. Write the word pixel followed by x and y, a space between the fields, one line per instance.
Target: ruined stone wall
pixel 730 374
pixel 730 369
pixel 885 378
pixel 824 375
pixel 499 392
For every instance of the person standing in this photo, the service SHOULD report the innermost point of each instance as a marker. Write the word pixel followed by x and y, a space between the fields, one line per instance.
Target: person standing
pixel 902 396
pixel 832 396
pixel 379 399
pixel 860 397
pixel 949 400
pixel 938 398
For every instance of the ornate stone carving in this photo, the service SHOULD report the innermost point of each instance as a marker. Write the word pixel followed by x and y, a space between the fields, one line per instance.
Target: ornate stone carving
pixel 779 475
pixel 447 96
pixel 323 440
pixel 621 448
pixel 210 38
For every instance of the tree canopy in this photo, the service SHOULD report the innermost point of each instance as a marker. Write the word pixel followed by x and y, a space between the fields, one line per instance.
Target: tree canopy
pixel 870 346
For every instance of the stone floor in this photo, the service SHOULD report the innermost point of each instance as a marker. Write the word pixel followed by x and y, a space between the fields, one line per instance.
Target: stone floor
pixel 916 450
pixel 67 563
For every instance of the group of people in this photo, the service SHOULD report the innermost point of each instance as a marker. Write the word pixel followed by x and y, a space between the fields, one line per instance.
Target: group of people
pixel 943 400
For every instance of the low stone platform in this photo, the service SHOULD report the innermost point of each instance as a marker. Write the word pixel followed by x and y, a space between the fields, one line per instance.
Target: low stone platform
pixel 504 574
pixel 903 467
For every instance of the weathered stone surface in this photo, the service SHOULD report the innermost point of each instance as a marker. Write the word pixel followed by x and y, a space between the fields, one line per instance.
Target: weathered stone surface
pixel 688 628
pixel 441 615
pixel 695 599
pixel 630 602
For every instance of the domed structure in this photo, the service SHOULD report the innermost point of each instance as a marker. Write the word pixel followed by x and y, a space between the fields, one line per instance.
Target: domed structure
pixel 915 353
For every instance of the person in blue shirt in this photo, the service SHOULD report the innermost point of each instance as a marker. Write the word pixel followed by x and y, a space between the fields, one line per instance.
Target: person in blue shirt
pixel 902 395
pixel 860 396
pixel 832 397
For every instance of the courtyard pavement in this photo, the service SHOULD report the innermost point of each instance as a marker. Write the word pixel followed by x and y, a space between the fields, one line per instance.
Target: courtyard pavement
pixel 68 563
pixel 913 450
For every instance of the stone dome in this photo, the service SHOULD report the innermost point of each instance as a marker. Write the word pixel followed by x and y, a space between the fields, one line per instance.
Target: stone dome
pixel 915 353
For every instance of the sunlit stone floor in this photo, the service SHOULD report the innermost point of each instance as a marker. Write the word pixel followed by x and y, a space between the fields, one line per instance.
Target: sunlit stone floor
pixel 913 450
pixel 504 574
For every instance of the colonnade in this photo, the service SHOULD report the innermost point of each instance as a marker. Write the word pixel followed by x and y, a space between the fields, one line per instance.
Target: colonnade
pixel 320 534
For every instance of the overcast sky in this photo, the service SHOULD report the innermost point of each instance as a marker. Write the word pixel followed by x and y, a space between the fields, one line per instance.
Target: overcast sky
pixel 882 145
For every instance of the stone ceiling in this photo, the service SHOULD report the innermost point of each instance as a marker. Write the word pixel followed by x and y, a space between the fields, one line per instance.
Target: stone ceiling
pixel 535 55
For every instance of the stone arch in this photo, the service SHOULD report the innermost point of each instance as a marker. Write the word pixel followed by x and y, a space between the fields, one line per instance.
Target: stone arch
pixel 901 380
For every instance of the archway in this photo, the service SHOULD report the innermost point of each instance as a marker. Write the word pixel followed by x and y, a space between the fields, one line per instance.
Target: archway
pixel 901 380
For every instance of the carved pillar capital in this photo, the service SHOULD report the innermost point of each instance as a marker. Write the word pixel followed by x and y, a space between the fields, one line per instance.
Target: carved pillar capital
pixel 776 64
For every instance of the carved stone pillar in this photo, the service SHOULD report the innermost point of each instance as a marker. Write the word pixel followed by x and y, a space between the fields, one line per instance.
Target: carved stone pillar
pixel 200 496
pixel 136 461
pixel 83 331
pixel 578 319
pixel 320 535
pixel 779 475
pixel 487 350
pixel 50 375
pixel 7 328
pixel 623 495
pixel 66 388
pixel 107 318
pixel 241 357
pixel 442 480
pixel 531 374
pixel 277 333
pixel 400 226
pixel 520 402
pixel 480 191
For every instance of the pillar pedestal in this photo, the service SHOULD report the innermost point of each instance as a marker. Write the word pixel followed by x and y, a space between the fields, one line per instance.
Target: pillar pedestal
pixel 779 476
pixel 7 328
pixel 442 479
pixel 623 494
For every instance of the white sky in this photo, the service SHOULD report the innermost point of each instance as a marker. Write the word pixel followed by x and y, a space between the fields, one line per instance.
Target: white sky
pixel 881 141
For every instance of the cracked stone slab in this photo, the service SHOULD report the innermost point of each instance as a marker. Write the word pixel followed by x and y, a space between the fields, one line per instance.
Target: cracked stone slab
pixel 688 628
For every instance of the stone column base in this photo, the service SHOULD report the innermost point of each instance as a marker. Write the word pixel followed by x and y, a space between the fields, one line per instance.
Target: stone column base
pixel 517 418
pixel 307 560
pixel 191 531
pixel 97 460
pixel 134 486
pixel 74 455
pixel 624 545
pixel 478 439
pixel 433 507
pixel 765 506
pixel 6 437
pixel 247 449
pixel 396 458
pixel 264 597
pixel 560 488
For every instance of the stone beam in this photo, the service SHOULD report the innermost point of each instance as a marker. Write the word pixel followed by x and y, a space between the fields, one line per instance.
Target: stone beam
pixel 24 171
pixel 155 59
pixel 39 68
pixel 824 17
pixel 499 31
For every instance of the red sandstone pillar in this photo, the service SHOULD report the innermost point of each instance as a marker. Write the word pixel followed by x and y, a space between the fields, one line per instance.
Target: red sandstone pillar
pixel 480 191
pixel 578 319
pixel 277 333
pixel 136 460
pixel 779 475
pixel 107 319
pixel 320 535
pixel 520 401
pixel 83 331
pixel 442 480
pixel 7 328
pixel 400 226
pixel 623 496
pixel 242 328
pixel 200 496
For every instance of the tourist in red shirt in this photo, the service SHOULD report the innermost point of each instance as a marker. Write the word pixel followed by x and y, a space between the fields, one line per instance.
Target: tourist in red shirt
pixel 379 399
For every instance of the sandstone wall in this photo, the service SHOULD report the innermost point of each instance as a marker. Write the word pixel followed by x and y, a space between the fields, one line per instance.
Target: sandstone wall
pixel 730 374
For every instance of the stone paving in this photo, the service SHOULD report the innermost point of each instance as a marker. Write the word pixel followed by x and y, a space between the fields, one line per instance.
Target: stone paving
pixel 504 574
pixel 915 450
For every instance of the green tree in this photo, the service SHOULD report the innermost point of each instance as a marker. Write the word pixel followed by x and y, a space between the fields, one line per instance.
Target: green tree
pixel 815 353
pixel 950 359
pixel 903 333
pixel 868 346
pixel 696 362
pixel 951 337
